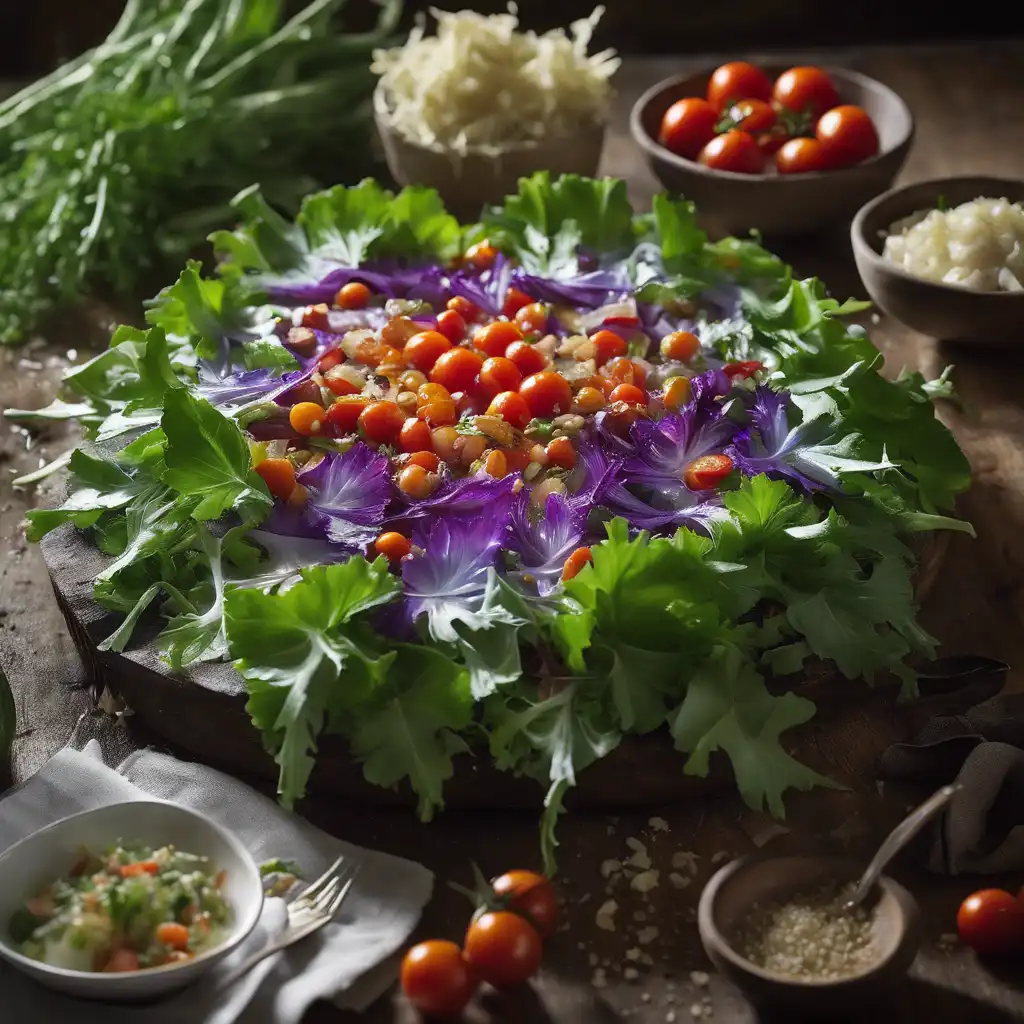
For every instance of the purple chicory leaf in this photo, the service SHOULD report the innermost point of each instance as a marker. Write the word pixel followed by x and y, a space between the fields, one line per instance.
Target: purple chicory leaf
pixel 479 495
pixel 594 473
pixel 348 493
pixel 666 504
pixel 246 386
pixel 664 448
pixel 485 289
pixel 287 554
pixel 389 280
pixel 584 292
pixel 545 541
pixel 809 453
pixel 447 581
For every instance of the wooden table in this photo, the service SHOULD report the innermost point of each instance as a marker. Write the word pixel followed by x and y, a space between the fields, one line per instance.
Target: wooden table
pixel 968 104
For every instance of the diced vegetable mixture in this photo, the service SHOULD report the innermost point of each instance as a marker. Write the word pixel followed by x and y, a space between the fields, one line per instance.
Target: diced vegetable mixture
pixel 127 909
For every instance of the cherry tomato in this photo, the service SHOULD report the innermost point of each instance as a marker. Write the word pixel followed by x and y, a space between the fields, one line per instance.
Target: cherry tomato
pixel 482 255
pixel 625 371
pixel 340 384
pixel 494 339
pixel 398 330
pixel 306 418
pixel 342 416
pixel 847 136
pixel 688 125
pixel 469 311
pixel 329 360
pixel 532 319
pixel 607 345
pixel 393 546
pixel 991 922
pixel 427 459
pixel 589 400
pixel 805 90
pixel 354 295
pixel 528 359
pixel 499 374
pixel 451 325
pixel 680 346
pixel 733 151
pixel 798 156
pixel 417 482
pixel 746 368
pixel 528 893
pixel 547 394
pixel 676 393
pixel 515 300
pixel 424 349
pixel 436 978
pixel 279 476
pixel 560 452
pixel 381 422
pixel 772 141
pixel 496 464
pixel 512 408
pixel 457 369
pixel 706 472
pixel 738 80
pixel 502 948
pixel 442 413
pixel 630 394
pixel 752 116
pixel 574 565
pixel 414 436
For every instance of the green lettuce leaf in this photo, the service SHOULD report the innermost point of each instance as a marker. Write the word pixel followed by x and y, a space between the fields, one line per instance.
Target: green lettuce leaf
pixel 98 486
pixel 306 653
pixel 553 740
pixel 408 729
pixel 207 456
pixel 267 354
pixel 727 707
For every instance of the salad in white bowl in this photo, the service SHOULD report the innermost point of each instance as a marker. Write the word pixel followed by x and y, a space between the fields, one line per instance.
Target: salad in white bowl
pixel 512 489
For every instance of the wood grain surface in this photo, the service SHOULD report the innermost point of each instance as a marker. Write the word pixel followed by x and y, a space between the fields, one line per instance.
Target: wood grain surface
pixel 969 104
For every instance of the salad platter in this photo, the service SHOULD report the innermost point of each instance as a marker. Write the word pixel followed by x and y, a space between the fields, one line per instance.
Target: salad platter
pixel 569 499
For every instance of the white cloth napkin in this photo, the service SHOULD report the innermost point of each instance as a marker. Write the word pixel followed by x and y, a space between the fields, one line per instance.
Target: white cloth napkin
pixel 344 962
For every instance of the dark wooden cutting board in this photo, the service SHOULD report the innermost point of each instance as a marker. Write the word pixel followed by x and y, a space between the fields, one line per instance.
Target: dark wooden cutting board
pixel 202 714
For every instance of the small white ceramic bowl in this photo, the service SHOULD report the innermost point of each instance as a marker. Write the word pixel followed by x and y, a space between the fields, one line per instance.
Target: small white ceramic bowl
pixel 46 855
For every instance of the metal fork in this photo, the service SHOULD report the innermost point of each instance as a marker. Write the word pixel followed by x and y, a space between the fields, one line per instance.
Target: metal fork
pixel 307 914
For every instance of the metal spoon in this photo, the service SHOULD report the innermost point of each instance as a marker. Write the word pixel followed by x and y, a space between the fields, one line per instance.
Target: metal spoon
pixel 897 839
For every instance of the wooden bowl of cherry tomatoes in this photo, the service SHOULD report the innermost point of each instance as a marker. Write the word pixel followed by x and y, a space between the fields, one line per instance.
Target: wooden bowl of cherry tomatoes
pixel 781 149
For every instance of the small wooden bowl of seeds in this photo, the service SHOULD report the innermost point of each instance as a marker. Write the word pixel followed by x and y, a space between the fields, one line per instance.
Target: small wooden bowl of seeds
pixel 776 928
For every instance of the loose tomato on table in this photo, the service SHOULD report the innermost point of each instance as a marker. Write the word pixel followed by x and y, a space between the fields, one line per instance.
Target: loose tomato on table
pixel 847 135
pixel 991 922
pixel 734 151
pixel 800 156
pixel 502 948
pixel 707 472
pixel 737 80
pixel 436 978
pixel 687 126
pixel 527 892
pixel 805 90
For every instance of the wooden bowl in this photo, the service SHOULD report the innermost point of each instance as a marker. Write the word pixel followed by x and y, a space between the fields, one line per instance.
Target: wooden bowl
pixel 467 182
pixel 729 896
pixel 947 312
pixel 777 204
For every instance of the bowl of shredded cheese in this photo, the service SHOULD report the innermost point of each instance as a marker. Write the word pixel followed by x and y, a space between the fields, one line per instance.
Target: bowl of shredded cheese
pixel 479 104
pixel 946 257
pixel 778 929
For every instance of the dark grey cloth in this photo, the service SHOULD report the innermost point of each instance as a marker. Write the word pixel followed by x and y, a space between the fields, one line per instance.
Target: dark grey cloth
pixel 982 830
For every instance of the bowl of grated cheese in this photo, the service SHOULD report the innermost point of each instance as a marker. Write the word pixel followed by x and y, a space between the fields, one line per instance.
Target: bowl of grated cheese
pixel 479 105
pixel 776 927
pixel 946 257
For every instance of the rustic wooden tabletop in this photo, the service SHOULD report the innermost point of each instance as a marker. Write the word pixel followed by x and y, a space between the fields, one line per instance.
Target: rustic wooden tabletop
pixel 968 102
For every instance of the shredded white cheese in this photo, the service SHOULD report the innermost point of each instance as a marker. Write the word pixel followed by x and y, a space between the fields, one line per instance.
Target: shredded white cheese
pixel 979 245
pixel 481 85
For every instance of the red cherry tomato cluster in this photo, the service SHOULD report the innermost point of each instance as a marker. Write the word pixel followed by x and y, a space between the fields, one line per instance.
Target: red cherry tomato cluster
pixel 748 124
pixel 991 922
pixel 503 946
